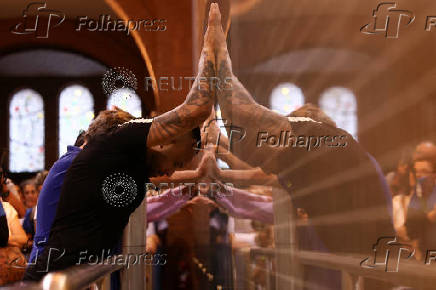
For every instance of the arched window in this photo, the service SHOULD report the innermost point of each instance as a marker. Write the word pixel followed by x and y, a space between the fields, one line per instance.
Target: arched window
pixel 127 100
pixel 286 98
pixel 340 105
pixel 76 110
pixel 26 132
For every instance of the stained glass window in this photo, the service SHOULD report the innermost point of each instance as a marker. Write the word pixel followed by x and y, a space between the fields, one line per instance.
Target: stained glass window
pixel 127 100
pixel 340 105
pixel 286 98
pixel 76 110
pixel 26 132
pixel 220 123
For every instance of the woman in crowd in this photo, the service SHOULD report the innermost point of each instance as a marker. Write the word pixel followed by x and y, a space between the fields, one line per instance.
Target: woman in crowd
pixel 12 238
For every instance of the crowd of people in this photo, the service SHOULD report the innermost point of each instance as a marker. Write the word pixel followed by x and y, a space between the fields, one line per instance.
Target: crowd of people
pixel 413 188
pixel 18 209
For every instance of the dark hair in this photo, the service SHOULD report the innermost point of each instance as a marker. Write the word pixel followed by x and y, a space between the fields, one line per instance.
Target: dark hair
pixel 3 153
pixel 30 181
pixel 196 134
pixel 40 177
pixel 80 138
pixel 425 151
pixel 106 122
pixel 406 157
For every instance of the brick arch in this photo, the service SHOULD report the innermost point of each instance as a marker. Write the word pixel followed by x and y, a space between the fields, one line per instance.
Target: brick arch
pixel 108 48
pixel 167 53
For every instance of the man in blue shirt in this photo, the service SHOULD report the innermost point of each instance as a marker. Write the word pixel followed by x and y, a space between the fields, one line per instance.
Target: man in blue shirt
pixel 49 196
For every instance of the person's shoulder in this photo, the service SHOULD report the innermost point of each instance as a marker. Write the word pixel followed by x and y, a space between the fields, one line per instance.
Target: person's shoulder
pixel 7 205
pixel 132 126
pixel 66 159
pixel 133 132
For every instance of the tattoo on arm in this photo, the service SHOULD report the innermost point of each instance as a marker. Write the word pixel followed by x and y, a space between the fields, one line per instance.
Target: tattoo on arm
pixel 248 113
pixel 202 90
pixel 233 93
pixel 191 113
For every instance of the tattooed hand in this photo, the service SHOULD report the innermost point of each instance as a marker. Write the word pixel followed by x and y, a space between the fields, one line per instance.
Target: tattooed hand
pixel 200 99
pixel 240 109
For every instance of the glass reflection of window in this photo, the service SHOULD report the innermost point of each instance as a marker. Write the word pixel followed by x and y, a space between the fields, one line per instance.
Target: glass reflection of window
pixel 340 105
pixel 286 98
pixel 76 110
pixel 26 132
pixel 127 100
pixel 221 164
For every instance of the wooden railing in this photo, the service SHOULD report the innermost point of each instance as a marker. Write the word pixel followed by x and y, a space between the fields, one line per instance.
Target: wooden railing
pixel 77 277
pixel 411 273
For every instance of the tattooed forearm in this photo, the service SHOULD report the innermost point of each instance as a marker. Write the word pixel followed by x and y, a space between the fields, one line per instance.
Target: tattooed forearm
pixel 239 106
pixel 232 93
pixel 202 92
pixel 191 113
pixel 173 123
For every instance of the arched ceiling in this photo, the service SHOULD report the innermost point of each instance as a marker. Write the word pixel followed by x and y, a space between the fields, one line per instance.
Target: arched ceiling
pixel 45 62
pixel 72 9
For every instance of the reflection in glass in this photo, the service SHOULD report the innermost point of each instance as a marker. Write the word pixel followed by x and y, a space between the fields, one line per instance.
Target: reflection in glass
pixel 340 105
pixel 286 98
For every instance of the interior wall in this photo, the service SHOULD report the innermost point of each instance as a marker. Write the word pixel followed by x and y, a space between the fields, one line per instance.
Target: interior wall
pixel 111 49
pixel 392 79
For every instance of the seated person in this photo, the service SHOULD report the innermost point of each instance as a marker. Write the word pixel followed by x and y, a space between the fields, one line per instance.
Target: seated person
pixel 420 219
pixel 4 230
pixel 30 193
pixel 49 196
pixel 17 235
